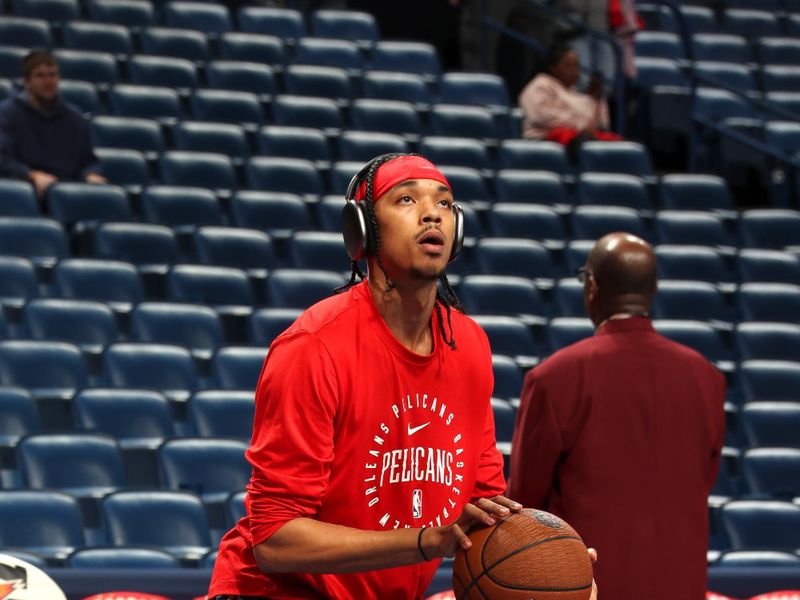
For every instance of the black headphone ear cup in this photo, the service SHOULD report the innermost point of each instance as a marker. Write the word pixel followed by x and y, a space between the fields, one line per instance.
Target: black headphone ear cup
pixel 355 230
pixel 458 231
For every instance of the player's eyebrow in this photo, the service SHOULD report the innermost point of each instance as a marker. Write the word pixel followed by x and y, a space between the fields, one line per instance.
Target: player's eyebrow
pixel 414 183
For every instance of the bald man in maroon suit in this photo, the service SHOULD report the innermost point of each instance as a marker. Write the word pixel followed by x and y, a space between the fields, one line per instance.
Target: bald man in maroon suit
pixel 621 434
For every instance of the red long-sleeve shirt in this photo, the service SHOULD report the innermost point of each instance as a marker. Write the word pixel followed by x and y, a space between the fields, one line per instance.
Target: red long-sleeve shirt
pixel 352 428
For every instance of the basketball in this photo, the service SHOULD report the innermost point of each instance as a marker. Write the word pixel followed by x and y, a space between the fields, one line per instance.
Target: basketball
pixel 528 555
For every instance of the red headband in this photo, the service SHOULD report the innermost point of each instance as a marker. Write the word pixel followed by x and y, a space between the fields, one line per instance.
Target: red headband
pixel 398 170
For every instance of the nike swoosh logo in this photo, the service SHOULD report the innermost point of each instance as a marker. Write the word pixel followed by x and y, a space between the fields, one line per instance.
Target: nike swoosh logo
pixel 413 430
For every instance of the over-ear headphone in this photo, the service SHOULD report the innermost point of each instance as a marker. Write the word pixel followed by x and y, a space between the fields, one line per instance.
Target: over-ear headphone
pixel 359 239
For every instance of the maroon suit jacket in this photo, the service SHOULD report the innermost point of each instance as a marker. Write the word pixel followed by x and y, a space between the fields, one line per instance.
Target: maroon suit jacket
pixel 621 434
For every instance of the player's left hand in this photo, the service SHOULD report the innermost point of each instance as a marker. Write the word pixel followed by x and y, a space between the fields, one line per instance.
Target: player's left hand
pixel 593 556
pixel 485 512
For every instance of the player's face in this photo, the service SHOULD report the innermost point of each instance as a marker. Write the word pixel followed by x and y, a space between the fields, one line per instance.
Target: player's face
pixel 416 224
pixel 42 83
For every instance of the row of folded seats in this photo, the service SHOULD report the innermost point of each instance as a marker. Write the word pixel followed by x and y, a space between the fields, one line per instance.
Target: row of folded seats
pixel 752 19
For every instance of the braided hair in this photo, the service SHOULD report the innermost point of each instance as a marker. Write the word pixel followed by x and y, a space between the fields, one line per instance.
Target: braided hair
pixel 445 295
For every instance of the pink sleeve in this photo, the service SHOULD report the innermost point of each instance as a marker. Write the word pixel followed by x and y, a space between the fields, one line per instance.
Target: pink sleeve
pixel 292 446
pixel 536 447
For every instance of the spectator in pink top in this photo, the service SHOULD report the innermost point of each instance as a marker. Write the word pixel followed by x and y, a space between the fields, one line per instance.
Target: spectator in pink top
pixel 554 110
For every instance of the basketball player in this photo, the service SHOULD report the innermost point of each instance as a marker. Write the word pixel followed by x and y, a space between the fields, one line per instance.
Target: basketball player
pixel 373 448
pixel 621 435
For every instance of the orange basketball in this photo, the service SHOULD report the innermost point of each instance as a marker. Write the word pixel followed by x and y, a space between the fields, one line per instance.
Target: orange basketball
pixel 528 555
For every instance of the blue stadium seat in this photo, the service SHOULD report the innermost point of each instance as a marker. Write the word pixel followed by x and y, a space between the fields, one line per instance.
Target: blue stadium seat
pixel 463 121
pixel 215 286
pixel 764 340
pixel 769 302
pixel 305 111
pixel 502 295
pixel 25 31
pixel 751 24
pixel 19 199
pixel 775 380
pixel 345 24
pixel 300 288
pixel 174 43
pixel 534 155
pixel 329 212
pixel 81 94
pixel 719 104
pixel 761 524
pixel 138 243
pixel 770 228
pixel 85 65
pixel 697 335
pixel 222 413
pixel 568 298
pixel 388 116
pixel 407 57
pixel 131 13
pixel 252 47
pixel 135 418
pixel 223 138
pixel 563 331
pixel 18 281
pixel 167 520
pixel 593 222
pixel 284 23
pixel 122 558
pixel 529 187
pixel 162 71
pixel 508 378
pixel 145 101
pixel 768 266
pixel 783 136
pixel 168 369
pixel 6 88
pixel 87 324
pixel 71 203
pixel 481 89
pixel 510 256
pixel 133 133
pixel 659 44
pixel 227 106
pixel 238 367
pixel 721 48
pixel 465 152
pixel 277 213
pixel 201 169
pixel 83 464
pixel 210 468
pixel 342 54
pixel 694 300
pixel 694 192
pixel 265 324
pixel 40 240
pixel 615 157
pixel 180 206
pixel 771 424
pixel 613 188
pixel 759 559
pixel 11 60
pixel 294 142
pixel 530 221
pixel 392 85
pixel 772 472
pixel 291 175
pixel 20 415
pixel 246 249
pixel 109 281
pixel 321 250
pixel 778 50
pixel 339 177
pixel 45 522
pixel 202 16
pixel 701 263
pixel 577 251
pixel 654 73
pixel 365 145
pixel 52 10
pixel 510 337
pixel 124 167
pixel 734 75
pixel 504 417
pixel 692 227
pixel 191 326
pixel 467 184
pixel 317 81
pixel 242 76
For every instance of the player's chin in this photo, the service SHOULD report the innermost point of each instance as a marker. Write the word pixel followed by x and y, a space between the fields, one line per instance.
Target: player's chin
pixel 428 272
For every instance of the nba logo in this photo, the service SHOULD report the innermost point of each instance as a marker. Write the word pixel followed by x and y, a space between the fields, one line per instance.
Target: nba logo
pixel 416 504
